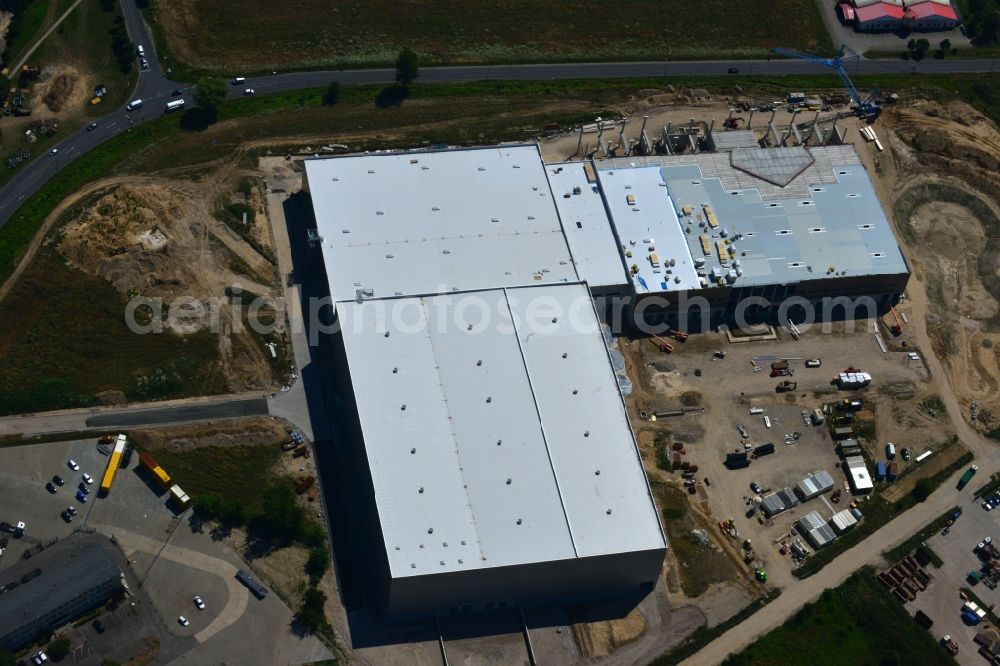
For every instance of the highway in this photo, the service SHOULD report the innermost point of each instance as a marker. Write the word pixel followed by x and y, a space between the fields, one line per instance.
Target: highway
pixel 154 88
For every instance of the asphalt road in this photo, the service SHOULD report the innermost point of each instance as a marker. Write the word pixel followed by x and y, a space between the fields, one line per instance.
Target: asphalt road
pixel 154 88
pixel 180 414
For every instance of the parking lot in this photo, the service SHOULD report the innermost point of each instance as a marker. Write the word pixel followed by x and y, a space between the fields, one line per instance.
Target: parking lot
pixel 166 560
pixel 941 601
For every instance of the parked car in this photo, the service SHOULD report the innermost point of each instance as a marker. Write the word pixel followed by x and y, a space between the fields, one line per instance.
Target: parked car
pixel 72 465
pixel 755 488
pixel 83 488
pixel 248 91
pixel 734 70
pixel 51 487
pixel 906 454
pixel 91 127
pixel 813 363
pixel 199 603
pixel 183 621
pixel 71 510
pixel 81 497
pixel 99 626
pixel 54 151
pixel 58 480
pixel 87 479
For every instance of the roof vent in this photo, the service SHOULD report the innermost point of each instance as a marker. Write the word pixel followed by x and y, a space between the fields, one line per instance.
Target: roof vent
pixel 494 220
pixel 597 472
pixel 463 542
pixel 442 562
pixel 421 490
pixel 482 168
pixel 565 354
pixel 397 547
pixel 445 251
pixel 403 408
pixel 413 450
pixel 371 170
pixel 586 433
pixel 460 561
pixel 390 256
pixel 335 179
pixel 575 391
pixel 555 319
pixel 378 212
pixel 499 442
pixel 519 521
pixel 387 334
pixel 430 530
pixel 479 362
pixel 395 370
pixel 445 544
pixel 608 512
pixel 489 399
pixel 413 566
pixel 469 327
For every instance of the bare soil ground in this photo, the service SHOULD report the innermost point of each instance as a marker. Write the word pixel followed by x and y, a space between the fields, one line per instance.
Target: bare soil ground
pixel 949 223
pixel 160 238
pixel 243 432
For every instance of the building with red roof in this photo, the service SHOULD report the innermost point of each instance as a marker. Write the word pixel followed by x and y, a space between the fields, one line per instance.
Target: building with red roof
pixel 889 15
pixel 930 15
pixel 879 16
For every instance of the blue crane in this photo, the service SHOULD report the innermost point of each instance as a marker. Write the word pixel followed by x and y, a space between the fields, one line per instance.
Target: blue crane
pixel 870 107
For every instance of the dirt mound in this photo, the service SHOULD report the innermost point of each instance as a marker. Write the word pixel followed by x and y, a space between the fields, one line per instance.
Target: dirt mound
pixel 59 91
pixel 250 432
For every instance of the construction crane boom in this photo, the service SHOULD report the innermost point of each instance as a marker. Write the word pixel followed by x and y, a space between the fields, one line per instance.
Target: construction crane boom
pixel 866 108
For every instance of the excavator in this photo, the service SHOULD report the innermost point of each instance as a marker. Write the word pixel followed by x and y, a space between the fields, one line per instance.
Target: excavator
pixel 897 327
pixel 679 336
pixel 661 344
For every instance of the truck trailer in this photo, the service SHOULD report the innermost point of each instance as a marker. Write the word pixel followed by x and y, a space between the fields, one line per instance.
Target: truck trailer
pixel 969 473
pixel 113 460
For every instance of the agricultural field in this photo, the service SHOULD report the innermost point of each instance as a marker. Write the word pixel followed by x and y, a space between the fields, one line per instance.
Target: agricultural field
pixel 856 623
pixel 226 37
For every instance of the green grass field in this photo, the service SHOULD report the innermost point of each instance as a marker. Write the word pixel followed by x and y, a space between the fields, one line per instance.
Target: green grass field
pixel 858 623
pixel 64 339
pixel 238 473
pixel 227 36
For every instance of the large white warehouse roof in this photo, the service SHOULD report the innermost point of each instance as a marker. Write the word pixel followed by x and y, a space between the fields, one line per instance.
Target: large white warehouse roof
pixel 416 223
pixel 495 434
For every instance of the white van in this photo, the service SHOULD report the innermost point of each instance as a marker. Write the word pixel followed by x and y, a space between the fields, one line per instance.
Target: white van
pixel 141 52
pixel 767 421
pixel 175 105
pixel 890 451
pixel 237 80
pixel 133 105
pixel 756 410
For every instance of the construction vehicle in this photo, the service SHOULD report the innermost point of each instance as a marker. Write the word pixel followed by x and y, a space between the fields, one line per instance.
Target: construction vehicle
pixel 950 645
pixel 781 372
pixel 679 336
pixel 661 344
pixel 785 386
pixel 897 327
pixel 732 122
pixel 869 108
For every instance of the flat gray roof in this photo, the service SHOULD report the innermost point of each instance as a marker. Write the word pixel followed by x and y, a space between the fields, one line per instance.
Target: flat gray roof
pixel 422 222
pixel 69 569
pixel 826 222
pixel 586 224
pixel 499 444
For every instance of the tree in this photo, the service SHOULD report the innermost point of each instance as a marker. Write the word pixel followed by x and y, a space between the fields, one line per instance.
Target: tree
pixel 318 563
pixel 59 649
pixel 281 517
pixel 923 489
pixel 311 613
pixel 945 44
pixel 211 93
pixel 332 94
pixel 209 507
pixel 407 67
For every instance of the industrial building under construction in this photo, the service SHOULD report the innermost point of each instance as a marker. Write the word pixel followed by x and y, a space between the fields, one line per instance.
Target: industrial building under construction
pixel 495 450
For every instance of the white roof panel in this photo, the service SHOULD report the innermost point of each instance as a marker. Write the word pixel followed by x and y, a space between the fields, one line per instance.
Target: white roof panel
pixel 645 218
pixel 433 222
pixel 588 230
pixel 492 433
